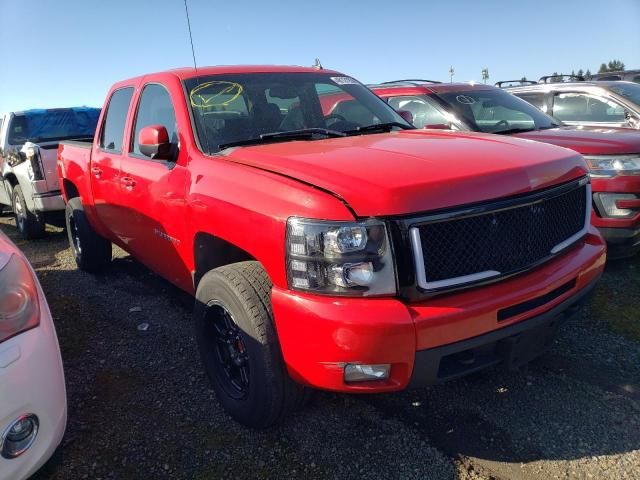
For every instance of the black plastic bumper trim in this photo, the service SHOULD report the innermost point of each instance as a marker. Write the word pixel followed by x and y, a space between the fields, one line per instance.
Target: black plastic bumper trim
pixel 52 193
pixel 513 345
pixel 621 242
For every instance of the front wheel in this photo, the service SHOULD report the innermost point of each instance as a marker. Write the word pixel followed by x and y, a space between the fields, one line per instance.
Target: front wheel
pixel 91 252
pixel 28 224
pixel 239 346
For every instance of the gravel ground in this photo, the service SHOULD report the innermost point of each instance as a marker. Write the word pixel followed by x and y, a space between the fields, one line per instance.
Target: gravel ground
pixel 140 405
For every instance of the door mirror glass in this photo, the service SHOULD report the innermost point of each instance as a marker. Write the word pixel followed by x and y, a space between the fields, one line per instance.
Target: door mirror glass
pixel 154 142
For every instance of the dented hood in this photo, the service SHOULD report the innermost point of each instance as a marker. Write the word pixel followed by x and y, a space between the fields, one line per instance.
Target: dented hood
pixel 415 171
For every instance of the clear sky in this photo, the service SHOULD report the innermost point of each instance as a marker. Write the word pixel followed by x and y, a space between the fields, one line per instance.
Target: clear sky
pixel 68 52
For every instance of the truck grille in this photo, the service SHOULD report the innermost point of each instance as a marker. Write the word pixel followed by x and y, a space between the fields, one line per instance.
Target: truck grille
pixel 495 240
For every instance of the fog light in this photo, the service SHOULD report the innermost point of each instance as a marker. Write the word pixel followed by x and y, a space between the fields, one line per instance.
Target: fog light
pixel 610 204
pixel 19 436
pixel 366 373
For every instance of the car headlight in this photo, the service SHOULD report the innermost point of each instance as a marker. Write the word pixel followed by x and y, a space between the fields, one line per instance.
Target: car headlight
pixel 19 309
pixel 612 165
pixel 339 258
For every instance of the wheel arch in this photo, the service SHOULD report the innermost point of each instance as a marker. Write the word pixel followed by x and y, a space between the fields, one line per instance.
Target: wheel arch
pixel 210 251
pixel 69 189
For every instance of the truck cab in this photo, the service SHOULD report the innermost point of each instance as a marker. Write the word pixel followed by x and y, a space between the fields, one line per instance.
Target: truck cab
pixel 28 147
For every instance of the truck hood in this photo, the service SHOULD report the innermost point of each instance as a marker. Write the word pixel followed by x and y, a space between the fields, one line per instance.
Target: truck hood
pixel 589 140
pixel 415 170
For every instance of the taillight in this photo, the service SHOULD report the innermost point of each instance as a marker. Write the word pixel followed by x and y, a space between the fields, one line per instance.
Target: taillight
pixel 19 308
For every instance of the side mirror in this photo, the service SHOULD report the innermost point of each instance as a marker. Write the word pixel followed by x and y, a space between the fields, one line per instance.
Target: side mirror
pixel 406 115
pixel 154 142
pixel 438 126
pixel 631 118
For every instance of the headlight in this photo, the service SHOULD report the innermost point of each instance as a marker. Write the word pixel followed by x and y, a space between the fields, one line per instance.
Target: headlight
pixel 339 258
pixel 612 165
pixel 19 309
pixel 35 169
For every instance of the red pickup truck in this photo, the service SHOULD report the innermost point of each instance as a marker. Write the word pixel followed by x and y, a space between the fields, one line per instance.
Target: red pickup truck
pixel 612 154
pixel 341 250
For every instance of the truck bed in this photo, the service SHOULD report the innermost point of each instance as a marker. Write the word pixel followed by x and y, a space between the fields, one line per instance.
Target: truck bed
pixel 74 159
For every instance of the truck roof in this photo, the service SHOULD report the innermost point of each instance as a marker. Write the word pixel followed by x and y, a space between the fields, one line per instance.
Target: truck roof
pixel 190 72
pixel 561 85
pixel 412 88
pixel 42 110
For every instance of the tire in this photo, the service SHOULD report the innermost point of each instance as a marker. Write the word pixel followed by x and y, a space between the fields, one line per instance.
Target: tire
pixel 28 224
pixel 236 299
pixel 91 252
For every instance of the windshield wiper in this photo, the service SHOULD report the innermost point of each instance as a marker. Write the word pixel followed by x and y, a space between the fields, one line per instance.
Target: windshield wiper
pixel 303 134
pixel 379 127
pixel 514 130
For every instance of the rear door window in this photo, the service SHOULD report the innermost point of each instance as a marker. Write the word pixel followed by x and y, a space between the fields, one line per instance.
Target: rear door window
pixel 535 99
pixel 113 127
pixel 155 108
pixel 582 107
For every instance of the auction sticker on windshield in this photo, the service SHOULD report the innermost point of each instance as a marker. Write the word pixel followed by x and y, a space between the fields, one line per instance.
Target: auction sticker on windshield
pixel 345 80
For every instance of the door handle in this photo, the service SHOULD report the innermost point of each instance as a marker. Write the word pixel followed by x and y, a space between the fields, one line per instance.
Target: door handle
pixel 128 183
pixel 96 171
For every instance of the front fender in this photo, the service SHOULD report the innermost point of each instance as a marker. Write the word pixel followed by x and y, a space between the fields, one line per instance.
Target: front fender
pixel 249 208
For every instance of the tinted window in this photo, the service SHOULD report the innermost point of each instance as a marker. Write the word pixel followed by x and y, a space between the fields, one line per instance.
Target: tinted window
pixel 53 124
pixel 155 108
pixel 535 99
pixel 630 91
pixel 580 107
pixel 423 110
pixel 610 77
pixel 113 127
pixel 242 107
pixel 636 79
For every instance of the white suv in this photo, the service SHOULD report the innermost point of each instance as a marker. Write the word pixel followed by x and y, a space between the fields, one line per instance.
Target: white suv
pixel 28 153
pixel 33 401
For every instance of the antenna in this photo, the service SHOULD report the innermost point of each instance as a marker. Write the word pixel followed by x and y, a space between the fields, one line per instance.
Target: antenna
pixel 193 52
pixel 317 65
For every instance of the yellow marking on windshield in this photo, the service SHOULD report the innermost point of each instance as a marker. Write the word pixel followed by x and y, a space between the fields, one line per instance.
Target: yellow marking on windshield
pixel 199 99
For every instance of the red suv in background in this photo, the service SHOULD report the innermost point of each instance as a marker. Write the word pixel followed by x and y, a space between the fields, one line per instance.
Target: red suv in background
pixel 613 154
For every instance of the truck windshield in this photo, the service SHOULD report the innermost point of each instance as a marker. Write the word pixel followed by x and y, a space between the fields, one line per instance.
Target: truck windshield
pixel 495 111
pixel 52 125
pixel 251 108
pixel 630 91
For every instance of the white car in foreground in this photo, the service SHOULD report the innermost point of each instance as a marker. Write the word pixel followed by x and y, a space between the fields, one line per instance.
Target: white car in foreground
pixel 33 402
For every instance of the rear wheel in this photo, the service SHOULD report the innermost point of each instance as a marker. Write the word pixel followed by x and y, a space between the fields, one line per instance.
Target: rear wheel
pixel 28 224
pixel 239 346
pixel 91 252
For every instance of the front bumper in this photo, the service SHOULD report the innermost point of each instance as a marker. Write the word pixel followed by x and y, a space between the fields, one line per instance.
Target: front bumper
pixel 622 242
pixel 48 202
pixel 32 381
pixel 320 335
pixel 513 346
